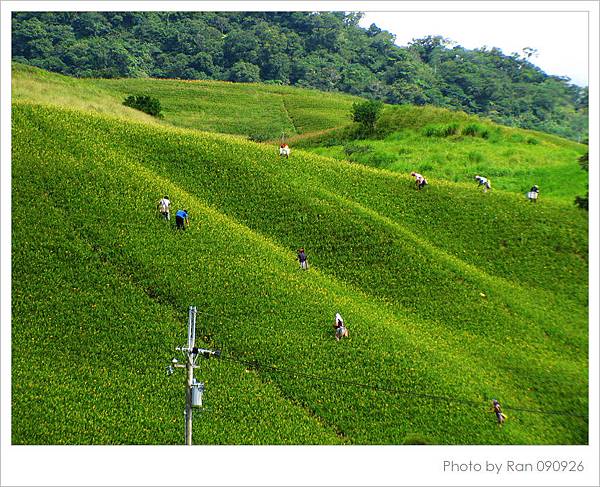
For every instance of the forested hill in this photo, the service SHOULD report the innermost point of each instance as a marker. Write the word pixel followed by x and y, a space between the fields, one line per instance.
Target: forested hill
pixel 327 51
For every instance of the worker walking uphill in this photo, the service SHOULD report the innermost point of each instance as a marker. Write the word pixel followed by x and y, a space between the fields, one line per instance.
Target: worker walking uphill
pixel 485 182
pixel 164 207
pixel 340 328
pixel 181 219
pixel 533 193
pixel 302 259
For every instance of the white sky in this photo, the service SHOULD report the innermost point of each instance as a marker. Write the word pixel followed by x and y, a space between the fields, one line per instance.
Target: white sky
pixel 561 38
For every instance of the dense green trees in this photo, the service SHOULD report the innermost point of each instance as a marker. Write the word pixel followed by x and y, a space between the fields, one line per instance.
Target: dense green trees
pixel 324 50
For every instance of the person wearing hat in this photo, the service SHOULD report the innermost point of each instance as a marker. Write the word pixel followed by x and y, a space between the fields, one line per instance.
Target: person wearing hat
pixel 533 193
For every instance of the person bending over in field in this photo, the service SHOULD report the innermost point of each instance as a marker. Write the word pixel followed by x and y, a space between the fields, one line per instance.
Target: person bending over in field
pixel 284 150
pixel 497 410
pixel 420 181
pixel 485 182
pixel 340 329
pixel 181 219
pixel 533 193
pixel 164 207
pixel 302 259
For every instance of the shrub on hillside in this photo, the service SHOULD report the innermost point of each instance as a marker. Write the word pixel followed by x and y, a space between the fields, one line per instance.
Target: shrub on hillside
pixel 353 148
pixel 259 137
pixel 443 130
pixel 476 130
pixel 584 163
pixel 583 201
pixel 379 159
pixel 367 113
pixel 475 156
pixel 144 103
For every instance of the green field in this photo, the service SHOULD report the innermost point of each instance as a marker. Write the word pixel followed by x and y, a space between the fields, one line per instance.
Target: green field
pixel 412 139
pixel 250 109
pixel 452 297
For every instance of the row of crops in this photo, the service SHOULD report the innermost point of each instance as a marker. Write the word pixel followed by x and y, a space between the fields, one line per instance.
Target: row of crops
pixel 428 319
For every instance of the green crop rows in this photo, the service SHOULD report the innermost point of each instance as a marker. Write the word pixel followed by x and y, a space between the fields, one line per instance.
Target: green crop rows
pixel 447 292
pixel 451 146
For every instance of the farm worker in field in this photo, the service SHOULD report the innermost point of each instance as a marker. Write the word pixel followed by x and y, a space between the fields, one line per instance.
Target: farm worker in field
pixel 284 150
pixel 181 219
pixel 485 182
pixel 164 207
pixel 533 193
pixel 420 181
pixel 497 410
pixel 340 328
pixel 302 259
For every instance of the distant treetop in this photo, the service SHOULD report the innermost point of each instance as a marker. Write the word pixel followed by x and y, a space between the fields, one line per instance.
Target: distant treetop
pixel 323 50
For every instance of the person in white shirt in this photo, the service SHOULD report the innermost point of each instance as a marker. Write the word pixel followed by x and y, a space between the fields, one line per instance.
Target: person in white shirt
pixel 284 150
pixel 485 182
pixel 164 207
pixel 340 329
pixel 420 180
pixel 533 193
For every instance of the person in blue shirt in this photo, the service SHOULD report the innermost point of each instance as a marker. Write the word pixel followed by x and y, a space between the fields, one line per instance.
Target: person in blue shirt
pixel 181 219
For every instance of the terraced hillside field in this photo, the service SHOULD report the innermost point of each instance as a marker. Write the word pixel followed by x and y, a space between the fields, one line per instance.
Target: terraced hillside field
pixel 251 109
pixel 444 313
pixel 454 146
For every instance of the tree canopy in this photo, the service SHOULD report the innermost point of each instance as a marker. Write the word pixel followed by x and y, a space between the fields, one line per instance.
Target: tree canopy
pixel 323 50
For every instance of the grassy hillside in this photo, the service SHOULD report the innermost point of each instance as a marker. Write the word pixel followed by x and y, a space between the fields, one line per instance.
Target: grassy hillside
pixel 454 146
pixel 408 138
pixel 257 110
pixel 444 313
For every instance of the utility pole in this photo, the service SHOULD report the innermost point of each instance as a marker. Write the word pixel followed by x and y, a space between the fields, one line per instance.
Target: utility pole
pixel 193 389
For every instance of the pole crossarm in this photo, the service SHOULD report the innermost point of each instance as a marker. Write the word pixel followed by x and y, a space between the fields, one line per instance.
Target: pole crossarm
pixel 193 389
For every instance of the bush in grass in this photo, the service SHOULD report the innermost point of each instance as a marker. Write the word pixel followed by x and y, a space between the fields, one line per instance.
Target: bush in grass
pixel 443 130
pixel 354 148
pixel 476 130
pixel 379 159
pixel 367 113
pixel 532 141
pixel 584 163
pixel 475 157
pixel 582 201
pixel 144 103
pixel 259 137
